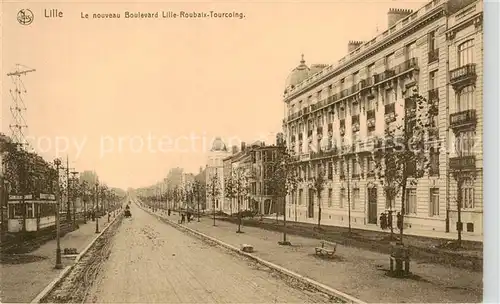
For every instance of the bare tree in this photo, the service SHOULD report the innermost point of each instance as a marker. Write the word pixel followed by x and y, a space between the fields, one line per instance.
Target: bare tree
pixel 318 184
pixel 283 179
pixel 239 188
pixel 214 190
pixel 230 191
pixel 400 156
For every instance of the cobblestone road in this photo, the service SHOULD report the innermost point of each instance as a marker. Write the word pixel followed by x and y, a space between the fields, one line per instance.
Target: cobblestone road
pixel 358 272
pixel 153 262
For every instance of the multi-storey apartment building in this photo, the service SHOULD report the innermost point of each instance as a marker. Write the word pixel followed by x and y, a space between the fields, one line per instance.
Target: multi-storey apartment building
pixel 435 51
pixel 238 164
pixel 214 167
pixel 262 156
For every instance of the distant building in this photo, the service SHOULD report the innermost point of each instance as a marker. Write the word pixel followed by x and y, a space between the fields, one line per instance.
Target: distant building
pixel 262 199
pixel 214 168
pixel 239 160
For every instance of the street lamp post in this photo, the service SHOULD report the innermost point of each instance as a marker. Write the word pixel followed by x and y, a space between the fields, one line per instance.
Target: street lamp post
pixel 74 188
pixel 97 207
pixel 57 162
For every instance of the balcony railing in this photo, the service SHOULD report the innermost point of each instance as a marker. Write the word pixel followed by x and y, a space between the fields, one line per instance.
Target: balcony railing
pixel 323 154
pixel 384 75
pixel 463 163
pixel 463 118
pixel 463 74
pixel 406 66
pixel 365 83
pixel 433 55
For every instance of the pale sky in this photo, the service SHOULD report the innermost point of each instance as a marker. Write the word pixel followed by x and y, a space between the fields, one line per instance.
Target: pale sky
pixel 99 80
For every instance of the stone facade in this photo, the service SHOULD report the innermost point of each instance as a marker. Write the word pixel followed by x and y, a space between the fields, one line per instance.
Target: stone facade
pixel 357 98
pixel 214 167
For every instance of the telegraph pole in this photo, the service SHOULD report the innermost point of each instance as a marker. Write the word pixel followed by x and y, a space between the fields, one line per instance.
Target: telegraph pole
pixel 97 206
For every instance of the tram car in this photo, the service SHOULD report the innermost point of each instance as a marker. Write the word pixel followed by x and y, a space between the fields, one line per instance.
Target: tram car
pixel 40 212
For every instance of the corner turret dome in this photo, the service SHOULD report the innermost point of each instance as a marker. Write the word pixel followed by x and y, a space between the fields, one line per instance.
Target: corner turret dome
pixel 299 74
pixel 218 145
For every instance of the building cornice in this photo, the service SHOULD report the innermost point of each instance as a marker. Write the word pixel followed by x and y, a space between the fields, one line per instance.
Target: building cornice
pixel 414 26
pixel 476 20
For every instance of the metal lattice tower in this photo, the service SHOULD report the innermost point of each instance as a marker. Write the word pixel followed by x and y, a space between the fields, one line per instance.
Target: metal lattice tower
pixel 18 107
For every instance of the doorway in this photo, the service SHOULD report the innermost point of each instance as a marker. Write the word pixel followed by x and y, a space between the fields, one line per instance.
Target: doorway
pixel 372 206
pixel 310 209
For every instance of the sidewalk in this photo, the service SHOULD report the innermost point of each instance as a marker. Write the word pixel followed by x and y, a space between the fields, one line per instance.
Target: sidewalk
pixel 21 283
pixel 408 231
pixel 357 272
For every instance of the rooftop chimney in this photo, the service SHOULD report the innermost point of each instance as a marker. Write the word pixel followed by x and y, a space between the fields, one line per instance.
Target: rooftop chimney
pixel 396 14
pixel 234 149
pixel 242 146
pixel 352 45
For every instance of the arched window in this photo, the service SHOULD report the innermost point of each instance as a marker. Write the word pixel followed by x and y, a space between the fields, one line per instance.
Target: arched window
pixel 465 100
pixel 466 53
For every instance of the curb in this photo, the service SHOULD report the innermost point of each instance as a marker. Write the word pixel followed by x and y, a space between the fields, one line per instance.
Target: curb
pixel 319 286
pixel 67 269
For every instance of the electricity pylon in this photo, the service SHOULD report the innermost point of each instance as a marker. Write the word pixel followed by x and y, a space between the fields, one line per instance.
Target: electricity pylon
pixel 18 106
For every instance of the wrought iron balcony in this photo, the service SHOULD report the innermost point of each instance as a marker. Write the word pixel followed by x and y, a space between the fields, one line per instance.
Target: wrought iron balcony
pixel 463 119
pixel 407 65
pixel 365 83
pixel 463 163
pixel 433 55
pixel 463 76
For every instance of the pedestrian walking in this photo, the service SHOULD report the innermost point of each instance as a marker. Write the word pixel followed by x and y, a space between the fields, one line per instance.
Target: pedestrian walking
pixel 383 221
pixel 389 219
pixel 183 218
pixel 399 221
pixel 168 211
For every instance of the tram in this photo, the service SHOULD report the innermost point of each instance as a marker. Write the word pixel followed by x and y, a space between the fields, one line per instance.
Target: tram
pixel 40 210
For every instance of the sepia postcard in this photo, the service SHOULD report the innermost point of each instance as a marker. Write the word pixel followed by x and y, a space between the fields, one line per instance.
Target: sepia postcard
pixel 242 151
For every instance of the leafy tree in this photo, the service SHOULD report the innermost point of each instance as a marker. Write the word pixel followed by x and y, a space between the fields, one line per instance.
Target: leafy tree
pixel 400 156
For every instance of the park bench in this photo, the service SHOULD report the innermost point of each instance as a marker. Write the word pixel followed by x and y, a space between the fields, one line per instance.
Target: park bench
pixel 246 248
pixel 326 250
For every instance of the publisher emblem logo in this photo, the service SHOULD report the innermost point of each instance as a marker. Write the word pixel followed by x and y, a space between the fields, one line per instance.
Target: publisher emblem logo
pixel 25 17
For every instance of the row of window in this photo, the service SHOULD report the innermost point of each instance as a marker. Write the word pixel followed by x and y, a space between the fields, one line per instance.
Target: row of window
pixel 465 55
pixel 40 210
pixel 411 203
